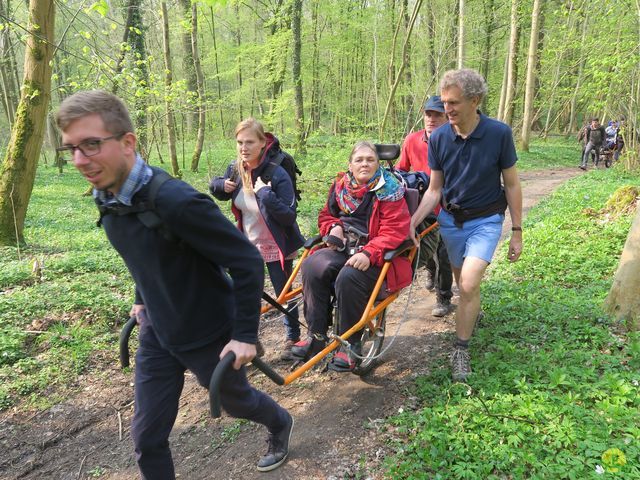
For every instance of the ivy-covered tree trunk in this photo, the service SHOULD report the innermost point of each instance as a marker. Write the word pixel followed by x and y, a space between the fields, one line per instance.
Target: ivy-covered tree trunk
pixel 17 172
pixel 141 73
pixel 623 300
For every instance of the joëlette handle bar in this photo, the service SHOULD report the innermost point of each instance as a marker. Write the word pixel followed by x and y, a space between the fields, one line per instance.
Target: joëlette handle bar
pixel 216 377
pixel 124 341
pixel 218 373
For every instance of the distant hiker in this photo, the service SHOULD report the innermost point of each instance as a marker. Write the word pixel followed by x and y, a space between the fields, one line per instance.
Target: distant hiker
pixel 190 311
pixel 468 158
pixel 595 138
pixel 265 208
pixel 433 252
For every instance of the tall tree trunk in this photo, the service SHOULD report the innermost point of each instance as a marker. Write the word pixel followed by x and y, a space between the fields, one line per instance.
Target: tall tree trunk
pixel 314 121
pixel 215 61
pixel 431 47
pixel 128 24
pixel 394 87
pixel 277 64
pixel 7 61
pixel 191 114
pixel 296 16
pixel 512 65
pixel 461 34
pixel 202 117
pixel 237 34
pixel 579 77
pixel 168 80
pixel 623 300
pixel 503 90
pixel 17 172
pixel 408 98
pixel 490 26
pixel 531 75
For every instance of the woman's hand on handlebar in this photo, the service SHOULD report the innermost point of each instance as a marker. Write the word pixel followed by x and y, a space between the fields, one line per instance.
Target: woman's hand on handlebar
pixel 245 352
pixel 359 261
pixel 229 186
pixel 338 232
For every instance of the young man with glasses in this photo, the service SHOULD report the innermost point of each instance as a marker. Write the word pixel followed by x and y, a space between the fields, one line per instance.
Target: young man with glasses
pixel 189 311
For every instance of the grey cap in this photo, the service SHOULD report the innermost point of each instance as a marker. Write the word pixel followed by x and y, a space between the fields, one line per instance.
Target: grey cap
pixel 434 103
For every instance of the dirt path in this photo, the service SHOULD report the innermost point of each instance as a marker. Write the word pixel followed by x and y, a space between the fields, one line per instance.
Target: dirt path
pixel 337 415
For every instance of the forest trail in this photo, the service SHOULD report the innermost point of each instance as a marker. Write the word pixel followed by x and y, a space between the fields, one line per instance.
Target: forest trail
pixel 338 416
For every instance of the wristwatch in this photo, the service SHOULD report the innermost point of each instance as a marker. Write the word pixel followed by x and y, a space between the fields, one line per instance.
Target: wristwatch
pixel 516 229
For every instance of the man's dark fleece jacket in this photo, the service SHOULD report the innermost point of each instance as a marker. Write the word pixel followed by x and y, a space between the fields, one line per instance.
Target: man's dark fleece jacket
pixel 189 299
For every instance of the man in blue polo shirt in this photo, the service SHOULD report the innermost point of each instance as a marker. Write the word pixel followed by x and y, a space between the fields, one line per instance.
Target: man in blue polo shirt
pixel 470 159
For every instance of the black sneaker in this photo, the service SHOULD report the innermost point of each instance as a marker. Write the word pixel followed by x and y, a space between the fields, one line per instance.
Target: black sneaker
pixel 278 449
pixel 346 360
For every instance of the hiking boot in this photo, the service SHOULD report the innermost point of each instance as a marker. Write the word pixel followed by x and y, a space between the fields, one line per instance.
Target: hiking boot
pixel 286 350
pixel 278 449
pixel 443 307
pixel 307 348
pixel 430 284
pixel 344 360
pixel 582 167
pixel 460 364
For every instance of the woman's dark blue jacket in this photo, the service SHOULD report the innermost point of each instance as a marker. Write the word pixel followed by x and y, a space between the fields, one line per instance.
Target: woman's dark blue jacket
pixel 277 204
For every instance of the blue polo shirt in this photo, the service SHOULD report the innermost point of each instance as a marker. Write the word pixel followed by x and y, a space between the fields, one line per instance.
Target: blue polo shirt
pixel 472 166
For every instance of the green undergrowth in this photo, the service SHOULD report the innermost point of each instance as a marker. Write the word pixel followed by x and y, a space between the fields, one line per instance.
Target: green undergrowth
pixel 64 297
pixel 554 393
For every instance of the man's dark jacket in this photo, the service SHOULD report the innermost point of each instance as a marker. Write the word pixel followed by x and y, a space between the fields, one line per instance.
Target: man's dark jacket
pixel 189 298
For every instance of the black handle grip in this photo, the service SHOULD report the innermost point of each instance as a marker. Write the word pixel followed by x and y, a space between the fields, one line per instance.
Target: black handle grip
pixel 124 341
pixel 268 371
pixel 214 383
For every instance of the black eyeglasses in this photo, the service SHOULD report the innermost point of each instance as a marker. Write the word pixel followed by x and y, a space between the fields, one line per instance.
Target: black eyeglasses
pixel 88 147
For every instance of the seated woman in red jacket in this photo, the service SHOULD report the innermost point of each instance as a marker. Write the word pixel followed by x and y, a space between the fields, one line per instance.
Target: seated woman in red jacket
pixel 367 199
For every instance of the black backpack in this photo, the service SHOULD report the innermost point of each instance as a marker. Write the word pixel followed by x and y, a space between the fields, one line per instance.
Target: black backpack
pixel 287 162
pixel 144 209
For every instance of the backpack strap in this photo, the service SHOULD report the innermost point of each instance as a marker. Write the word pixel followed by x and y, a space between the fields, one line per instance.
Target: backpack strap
pixel 145 209
pixel 267 173
pixel 148 215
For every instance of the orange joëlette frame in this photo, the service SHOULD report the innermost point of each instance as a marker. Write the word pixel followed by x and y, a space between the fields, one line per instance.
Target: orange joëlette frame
pixel 370 312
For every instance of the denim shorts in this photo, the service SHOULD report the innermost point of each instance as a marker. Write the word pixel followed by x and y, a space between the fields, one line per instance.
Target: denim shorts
pixel 477 238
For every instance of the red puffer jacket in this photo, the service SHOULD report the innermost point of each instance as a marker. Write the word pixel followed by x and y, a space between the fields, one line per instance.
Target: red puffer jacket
pixel 388 228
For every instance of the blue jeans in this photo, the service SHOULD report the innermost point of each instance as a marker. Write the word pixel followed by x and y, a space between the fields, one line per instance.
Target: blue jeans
pixel 279 277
